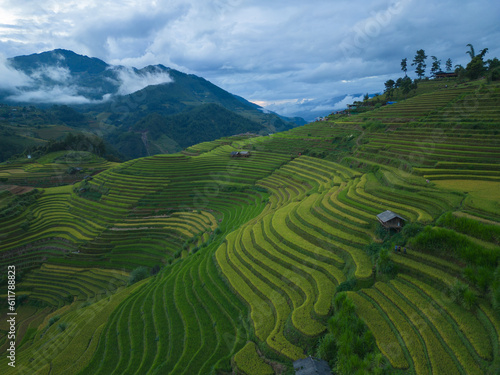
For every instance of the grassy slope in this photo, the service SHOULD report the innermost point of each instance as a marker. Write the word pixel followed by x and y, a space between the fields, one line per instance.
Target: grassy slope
pixel 277 230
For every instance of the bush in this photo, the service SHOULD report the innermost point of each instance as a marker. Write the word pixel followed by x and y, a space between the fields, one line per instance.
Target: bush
pixel 482 277
pixel 385 264
pixel 327 349
pixel 138 274
pixel 347 285
pixel 381 232
pixel 461 294
pixel 471 227
pixel 372 249
pixel 469 299
pixel 443 241
pixel 62 326
pixel 54 319
pixel 411 230
pixel 349 346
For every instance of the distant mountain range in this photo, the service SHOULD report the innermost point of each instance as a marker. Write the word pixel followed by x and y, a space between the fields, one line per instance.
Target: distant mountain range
pixel 139 111
pixel 310 109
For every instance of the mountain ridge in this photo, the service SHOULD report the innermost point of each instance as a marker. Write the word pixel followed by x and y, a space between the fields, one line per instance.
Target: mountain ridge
pixel 113 98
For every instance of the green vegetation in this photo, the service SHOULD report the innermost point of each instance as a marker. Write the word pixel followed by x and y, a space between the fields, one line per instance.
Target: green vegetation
pixel 350 347
pixel 248 361
pixel 138 274
pixel 199 263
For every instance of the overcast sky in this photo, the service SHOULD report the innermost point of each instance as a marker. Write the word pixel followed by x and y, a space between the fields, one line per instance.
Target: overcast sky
pixel 269 51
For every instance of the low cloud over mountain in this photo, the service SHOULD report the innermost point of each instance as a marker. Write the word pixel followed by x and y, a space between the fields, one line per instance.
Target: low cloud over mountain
pixel 63 77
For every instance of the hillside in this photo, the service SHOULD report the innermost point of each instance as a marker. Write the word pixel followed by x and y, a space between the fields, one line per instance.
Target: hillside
pixel 62 92
pixel 253 262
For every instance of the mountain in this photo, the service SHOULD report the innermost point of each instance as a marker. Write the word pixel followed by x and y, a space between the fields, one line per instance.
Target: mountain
pixel 115 102
pixel 62 76
pixel 311 109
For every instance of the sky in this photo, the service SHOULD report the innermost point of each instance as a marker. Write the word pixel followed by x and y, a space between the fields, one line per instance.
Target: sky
pixel 279 54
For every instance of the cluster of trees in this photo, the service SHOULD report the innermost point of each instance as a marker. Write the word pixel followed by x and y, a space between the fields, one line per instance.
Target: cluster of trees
pixel 476 68
pixel 349 347
pixel 76 142
pixel 406 84
pixel 473 70
pixel 420 65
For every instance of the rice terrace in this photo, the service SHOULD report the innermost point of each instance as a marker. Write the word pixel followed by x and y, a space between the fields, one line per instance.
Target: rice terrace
pixel 367 241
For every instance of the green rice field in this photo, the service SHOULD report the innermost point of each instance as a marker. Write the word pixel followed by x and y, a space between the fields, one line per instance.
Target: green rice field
pixel 243 257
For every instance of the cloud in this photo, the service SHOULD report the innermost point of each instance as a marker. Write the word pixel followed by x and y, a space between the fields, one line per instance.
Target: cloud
pixel 46 84
pixel 56 95
pixel 56 84
pixel 131 80
pixel 342 104
pixel 56 74
pixel 11 78
pixel 260 50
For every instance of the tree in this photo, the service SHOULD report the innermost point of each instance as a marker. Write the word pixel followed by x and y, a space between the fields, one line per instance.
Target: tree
pixel 471 51
pixel 493 64
pixel 460 71
pixel 476 67
pixel 419 62
pixel 493 69
pixel 137 274
pixel 389 87
pixel 483 52
pixel 448 65
pixel 404 65
pixel 407 85
pixel 436 65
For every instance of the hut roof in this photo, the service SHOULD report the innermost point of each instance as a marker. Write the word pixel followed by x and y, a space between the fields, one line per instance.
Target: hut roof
pixel 311 366
pixel 387 216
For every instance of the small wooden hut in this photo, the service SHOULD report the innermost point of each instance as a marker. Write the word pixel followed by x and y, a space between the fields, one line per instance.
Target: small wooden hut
pixel 311 366
pixel 389 220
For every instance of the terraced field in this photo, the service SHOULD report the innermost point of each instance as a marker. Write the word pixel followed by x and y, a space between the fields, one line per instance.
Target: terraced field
pixel 424 331
pixel 246 254
pixel 53 169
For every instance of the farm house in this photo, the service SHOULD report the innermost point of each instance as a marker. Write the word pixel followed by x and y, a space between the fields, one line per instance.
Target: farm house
pixel 389 220
pixel 442 74
pixel 311 366
pixel 239 154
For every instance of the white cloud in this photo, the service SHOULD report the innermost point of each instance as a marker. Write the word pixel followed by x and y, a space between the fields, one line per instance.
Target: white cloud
pixel 55 94
pixel 261 50
pixel 34 87
pixel 55 84
pixel 58 74
pixel 10 77
pixel 349 99
pixel 131 81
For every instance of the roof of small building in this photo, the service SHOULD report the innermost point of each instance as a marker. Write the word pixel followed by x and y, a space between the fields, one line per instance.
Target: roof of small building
pixel 311 366
pixel 387 216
